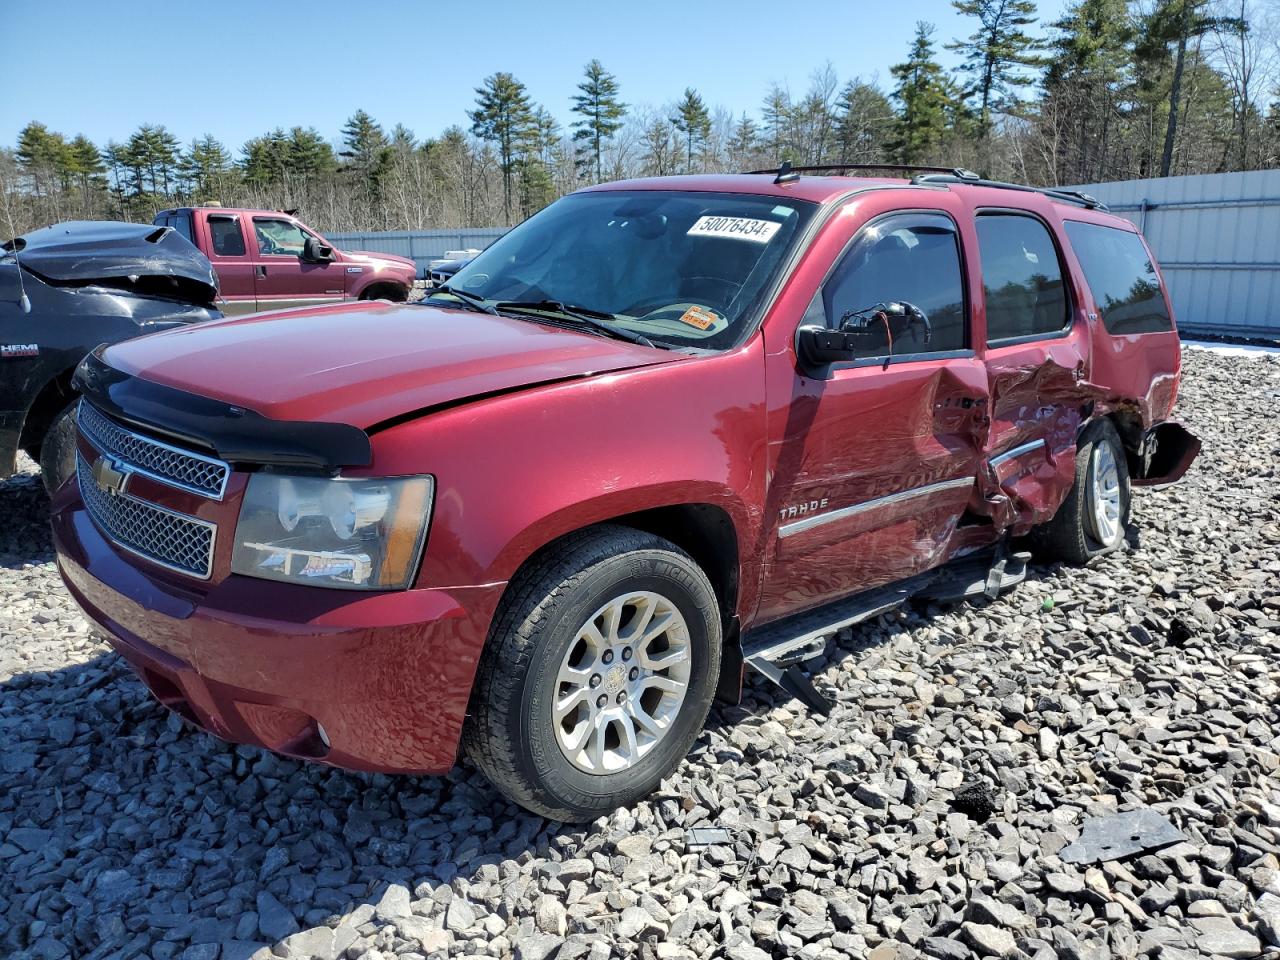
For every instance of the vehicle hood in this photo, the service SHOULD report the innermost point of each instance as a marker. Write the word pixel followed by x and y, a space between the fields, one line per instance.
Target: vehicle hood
pixel 370 256
pixel 367 363
pixel 140 258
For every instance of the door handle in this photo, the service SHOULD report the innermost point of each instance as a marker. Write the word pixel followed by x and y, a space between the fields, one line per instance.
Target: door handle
pixel 261 271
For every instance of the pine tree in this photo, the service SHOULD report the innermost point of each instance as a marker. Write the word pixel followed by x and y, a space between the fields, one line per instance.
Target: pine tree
pixel 743 144
pixel 502 117
pixel 119 161
pixel 154 149
pixel 601 111
pixel 777 122
pixel 997 55
pixel 205 167
pixel 923 102
pixel 402 139
pixel 366 153
pixel 86 161
pixel 308 155
pixel 1177 23
pixel 266 158
pixel 537 141
pixel 865 121
pixel 692 120
pixel 45 156
pixel 1088 67
pixel 659 150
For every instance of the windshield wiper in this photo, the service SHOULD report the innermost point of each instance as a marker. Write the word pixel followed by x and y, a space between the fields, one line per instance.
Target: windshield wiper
pixel 597 320
pixel 470 300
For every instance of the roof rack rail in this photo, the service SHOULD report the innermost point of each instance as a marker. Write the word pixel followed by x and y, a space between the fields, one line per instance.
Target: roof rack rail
pixel 1055 193
pixel 786 173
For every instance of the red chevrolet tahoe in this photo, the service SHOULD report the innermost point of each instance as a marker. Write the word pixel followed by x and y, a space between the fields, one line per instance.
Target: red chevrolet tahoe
pixel 271 260
pixel 661 429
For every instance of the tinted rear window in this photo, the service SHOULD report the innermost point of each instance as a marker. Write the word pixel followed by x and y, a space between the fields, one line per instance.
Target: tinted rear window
pixel 227 239
pixel 1021 278
pixel 182 223
pixel 1122 278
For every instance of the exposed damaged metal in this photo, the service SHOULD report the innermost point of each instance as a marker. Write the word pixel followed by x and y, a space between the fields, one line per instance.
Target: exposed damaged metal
pixel 103 282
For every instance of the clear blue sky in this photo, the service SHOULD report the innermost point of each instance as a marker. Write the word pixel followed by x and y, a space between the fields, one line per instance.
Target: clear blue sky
pixel 237 68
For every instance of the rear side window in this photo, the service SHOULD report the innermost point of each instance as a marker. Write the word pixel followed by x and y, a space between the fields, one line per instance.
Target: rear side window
pixel 913 257
pixel 182 223
pixel 1122 278
pixel 228 241
pixel 1021 277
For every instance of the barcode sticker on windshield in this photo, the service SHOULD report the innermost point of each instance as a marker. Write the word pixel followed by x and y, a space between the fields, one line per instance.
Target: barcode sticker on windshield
pixel 739 228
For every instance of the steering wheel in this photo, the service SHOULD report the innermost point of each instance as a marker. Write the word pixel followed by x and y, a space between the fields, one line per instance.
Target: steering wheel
pixel 729 290
pixel 266 244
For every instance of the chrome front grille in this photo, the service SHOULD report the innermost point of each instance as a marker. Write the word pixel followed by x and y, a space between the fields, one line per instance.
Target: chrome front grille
pixel 162 536
pixel 179 468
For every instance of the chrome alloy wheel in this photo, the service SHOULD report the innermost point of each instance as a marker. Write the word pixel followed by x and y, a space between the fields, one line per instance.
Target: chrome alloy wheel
pixel 1104 496
pixel 622 682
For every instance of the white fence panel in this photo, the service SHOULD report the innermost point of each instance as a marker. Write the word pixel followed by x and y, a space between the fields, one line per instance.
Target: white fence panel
pixel 421 245
pixel 1217 237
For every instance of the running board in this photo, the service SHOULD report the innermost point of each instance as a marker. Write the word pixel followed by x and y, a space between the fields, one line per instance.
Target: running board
pixel 776 649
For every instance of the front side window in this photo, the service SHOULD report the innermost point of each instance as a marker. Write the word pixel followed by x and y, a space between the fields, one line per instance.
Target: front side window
pixel 228 241
pixel 908 258
pixel 278 238
pixel 683 269
pixel 1121 277
pixel 1021 277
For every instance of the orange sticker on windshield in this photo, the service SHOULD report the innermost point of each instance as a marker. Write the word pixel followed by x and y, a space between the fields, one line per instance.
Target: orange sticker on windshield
pixel 699 317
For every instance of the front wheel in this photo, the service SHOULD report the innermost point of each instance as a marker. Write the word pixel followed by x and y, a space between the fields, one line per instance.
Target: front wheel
pixel 597 676
pixel 1091 520
pixel 58 449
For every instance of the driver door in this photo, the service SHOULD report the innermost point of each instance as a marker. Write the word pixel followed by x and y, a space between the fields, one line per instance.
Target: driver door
pixel 283 278
pixel 876 458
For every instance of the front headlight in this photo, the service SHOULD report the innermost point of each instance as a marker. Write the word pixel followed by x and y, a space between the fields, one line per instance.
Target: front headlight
pixel 362 534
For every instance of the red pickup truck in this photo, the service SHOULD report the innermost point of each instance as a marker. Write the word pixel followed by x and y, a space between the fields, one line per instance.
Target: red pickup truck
pixel 270 260
pixel 662 429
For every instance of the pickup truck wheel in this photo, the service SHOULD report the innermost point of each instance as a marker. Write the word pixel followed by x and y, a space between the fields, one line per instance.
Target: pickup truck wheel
pixel 597 676
pixel 1091 520
pixel 58 449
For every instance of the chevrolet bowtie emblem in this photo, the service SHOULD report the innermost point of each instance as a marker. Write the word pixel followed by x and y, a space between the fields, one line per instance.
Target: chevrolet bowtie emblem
pixel 110 476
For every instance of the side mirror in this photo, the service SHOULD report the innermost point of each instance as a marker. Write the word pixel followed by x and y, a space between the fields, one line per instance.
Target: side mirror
pixel 819 346
pixel 313 251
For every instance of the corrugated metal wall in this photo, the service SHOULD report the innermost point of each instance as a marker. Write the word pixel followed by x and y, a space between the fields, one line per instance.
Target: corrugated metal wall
pixel 422 245
pixel 1217 237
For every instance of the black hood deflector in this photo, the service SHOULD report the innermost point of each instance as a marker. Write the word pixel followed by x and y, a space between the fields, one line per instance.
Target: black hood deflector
pixel 139 258
pixel 238 435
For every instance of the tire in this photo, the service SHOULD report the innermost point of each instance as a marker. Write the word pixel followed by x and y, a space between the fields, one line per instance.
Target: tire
pixel 1077 533
pixel 58 449
pixel 538 634
pixel 385 291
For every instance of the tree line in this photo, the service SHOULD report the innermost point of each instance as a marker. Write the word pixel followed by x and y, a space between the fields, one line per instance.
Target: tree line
pixel 1113 90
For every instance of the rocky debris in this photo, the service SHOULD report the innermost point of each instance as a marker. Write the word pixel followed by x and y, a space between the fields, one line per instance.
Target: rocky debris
pixel 924 818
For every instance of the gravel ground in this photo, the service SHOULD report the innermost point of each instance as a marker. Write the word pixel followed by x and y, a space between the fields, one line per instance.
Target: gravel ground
pixel 924 817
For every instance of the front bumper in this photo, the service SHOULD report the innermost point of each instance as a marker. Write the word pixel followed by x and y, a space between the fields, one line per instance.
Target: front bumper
pixel 374 682
pixel 1165 453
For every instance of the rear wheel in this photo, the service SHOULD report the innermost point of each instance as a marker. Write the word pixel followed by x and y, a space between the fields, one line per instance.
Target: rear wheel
pixel 597 676
pixel 58 449
pixel 1091 520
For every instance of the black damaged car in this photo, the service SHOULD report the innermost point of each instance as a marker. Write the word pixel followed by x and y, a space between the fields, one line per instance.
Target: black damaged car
pixel 66 289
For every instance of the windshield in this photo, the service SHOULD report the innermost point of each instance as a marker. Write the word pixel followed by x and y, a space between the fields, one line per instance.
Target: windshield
pixel 682 269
